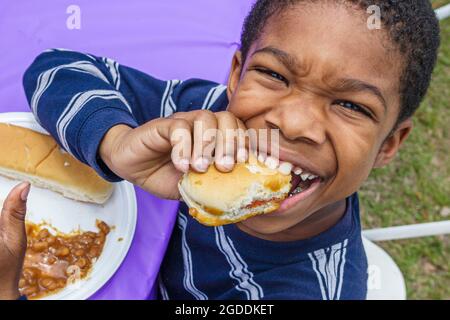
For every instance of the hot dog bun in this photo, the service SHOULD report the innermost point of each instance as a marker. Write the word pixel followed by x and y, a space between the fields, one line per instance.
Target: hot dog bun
pixel 29 155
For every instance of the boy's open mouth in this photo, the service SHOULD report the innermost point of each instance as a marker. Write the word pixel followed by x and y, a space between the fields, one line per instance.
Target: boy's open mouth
pixel 301 183
pixel 301 188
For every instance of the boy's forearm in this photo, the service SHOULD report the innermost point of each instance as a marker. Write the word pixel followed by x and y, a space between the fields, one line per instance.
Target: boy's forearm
pixel 79 117
pixel 107 143
pixel 91 104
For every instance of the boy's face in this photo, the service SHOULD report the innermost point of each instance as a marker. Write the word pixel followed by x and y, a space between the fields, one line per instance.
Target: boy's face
pixel 331 86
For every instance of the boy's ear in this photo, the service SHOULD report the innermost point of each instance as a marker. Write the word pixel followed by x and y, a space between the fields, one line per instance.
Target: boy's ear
pixel 392 143
pixel 235 73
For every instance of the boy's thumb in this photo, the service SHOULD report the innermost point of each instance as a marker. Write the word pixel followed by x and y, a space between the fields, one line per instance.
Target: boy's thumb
pixel 15 207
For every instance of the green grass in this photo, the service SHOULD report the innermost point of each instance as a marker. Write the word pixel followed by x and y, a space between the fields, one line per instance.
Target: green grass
pixel 439 3
pixel 416 188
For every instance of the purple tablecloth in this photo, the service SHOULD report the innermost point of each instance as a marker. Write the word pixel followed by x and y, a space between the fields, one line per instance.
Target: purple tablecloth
pixel 168 39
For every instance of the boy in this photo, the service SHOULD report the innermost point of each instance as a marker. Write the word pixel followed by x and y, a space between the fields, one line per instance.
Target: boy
pixel 341 96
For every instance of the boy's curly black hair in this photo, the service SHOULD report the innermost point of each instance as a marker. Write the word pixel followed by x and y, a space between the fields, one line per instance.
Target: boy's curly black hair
pixel 412 27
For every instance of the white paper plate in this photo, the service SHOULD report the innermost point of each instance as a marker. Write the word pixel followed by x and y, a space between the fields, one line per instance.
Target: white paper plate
pixel 67 215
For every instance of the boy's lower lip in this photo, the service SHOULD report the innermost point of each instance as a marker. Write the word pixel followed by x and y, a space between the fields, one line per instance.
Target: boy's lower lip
pixel 291 201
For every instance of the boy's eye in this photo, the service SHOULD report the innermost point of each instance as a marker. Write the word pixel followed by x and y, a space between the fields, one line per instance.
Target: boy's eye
pixel 354 107
pixel 273 74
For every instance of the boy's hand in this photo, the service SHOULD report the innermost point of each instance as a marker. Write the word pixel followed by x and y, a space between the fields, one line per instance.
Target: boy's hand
pixel 13 241
pixel 155 155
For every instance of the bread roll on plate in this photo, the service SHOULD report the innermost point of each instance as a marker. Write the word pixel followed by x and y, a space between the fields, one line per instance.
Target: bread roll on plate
pixel 216 198
pixel 29 155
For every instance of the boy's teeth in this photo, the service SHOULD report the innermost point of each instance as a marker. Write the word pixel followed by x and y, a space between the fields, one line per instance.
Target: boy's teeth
pixel 295 191
pixel 271 162
pixel 307 176
pixel 298 171
pixel 304 176
pixel 285 168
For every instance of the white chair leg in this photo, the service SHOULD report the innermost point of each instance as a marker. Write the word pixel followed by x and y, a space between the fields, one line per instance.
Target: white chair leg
pixel 408 231
pixel 385 281
pixel 443 12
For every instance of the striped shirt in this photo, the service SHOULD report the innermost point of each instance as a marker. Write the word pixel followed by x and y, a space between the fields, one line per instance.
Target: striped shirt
pixel 77 97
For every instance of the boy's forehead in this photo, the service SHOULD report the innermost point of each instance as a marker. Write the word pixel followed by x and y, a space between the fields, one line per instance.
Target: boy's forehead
pixel 334 41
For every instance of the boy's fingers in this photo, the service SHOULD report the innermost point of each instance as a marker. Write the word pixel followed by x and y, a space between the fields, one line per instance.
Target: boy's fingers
pixel 241 147
pixel 221 134
pixel 226 141
pixel 14 209
pixel 204 126
pixel 180 137
pixel 167 134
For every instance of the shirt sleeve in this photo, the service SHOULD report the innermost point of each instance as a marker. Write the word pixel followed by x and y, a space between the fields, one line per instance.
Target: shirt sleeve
pixel 78 97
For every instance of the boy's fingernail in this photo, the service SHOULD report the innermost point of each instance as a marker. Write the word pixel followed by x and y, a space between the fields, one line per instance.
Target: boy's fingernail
pixel 201 164
pixel 25 192
pixel 242 155
pixel 227 162
pixel 184 165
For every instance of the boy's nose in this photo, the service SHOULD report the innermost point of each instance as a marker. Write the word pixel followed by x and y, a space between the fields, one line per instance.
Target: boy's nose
pixel 299 121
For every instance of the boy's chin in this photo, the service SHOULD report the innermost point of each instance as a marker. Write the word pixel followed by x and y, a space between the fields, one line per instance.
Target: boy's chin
pixel 292 212
pixel 268 224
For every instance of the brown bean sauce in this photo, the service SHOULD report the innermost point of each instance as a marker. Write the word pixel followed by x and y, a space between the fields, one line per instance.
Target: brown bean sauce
pixel 52 261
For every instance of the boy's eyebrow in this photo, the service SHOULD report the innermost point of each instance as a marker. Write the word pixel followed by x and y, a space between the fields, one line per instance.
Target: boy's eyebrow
pixel 285 58
pixel 345 84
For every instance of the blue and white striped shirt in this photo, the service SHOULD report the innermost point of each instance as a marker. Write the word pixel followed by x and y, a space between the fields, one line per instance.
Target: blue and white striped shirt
pixel 77 97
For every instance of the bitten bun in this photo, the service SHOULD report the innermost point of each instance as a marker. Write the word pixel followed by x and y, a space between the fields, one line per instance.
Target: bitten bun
pixel 29 155
pixel 216 198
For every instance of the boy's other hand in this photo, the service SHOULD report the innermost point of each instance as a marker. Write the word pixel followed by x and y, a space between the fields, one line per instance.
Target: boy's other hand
pixel 13 240
pixel 156 154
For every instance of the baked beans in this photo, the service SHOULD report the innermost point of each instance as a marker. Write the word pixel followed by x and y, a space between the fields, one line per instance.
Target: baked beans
pixel 52 261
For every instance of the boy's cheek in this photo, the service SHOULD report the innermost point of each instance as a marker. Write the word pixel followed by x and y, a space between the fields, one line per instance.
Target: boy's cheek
pixel 354 161
pixel 355 148
pixel 245 107
pixel 351 175
pixel 249 100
